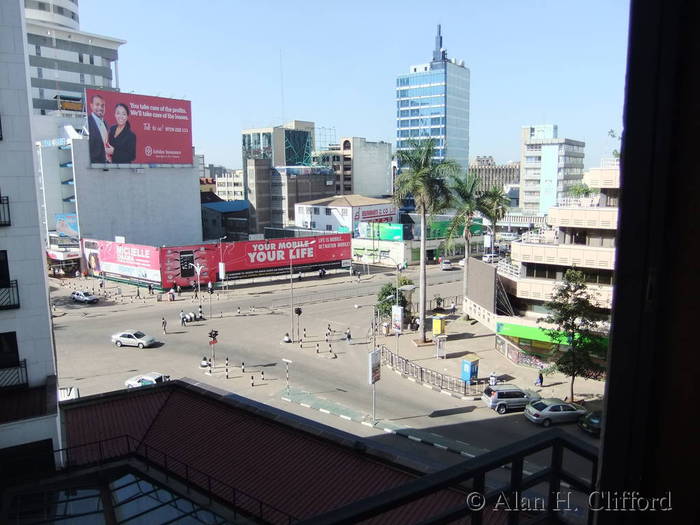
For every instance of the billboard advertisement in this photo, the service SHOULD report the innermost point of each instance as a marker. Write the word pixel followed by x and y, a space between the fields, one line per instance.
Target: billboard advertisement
pixel 138 129
pixel 67 225
pixel 122 260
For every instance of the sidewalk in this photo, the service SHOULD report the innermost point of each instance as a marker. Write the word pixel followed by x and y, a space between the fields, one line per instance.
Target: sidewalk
pixel 471 336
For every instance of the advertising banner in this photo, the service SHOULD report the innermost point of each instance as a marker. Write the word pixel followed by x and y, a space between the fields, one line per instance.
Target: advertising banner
pixel 374 359
pixel 122 260
pixel 138 129
pixel 397 318
pixel 67 225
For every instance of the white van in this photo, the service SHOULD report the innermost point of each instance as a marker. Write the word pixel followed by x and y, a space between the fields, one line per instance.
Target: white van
pixel 490 258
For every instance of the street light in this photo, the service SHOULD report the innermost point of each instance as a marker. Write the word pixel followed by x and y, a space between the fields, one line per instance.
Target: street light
pixel 198 268
pixel 291 287
pixel 222 274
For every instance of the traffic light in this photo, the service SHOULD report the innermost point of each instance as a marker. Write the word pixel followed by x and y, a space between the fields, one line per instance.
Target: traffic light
pixel 213 335
pixel 297 310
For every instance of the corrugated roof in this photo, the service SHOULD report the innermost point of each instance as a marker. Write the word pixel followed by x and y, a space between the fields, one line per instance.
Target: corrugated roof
pixel 252 449
pixel 227 206
pixel 346 200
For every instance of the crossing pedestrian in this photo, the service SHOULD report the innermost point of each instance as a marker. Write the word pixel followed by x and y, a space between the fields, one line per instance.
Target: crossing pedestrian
pixel 348 337
pixel 182 318
pixel 164 324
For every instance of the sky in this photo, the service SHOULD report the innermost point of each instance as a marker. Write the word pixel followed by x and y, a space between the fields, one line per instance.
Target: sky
pixel 259 63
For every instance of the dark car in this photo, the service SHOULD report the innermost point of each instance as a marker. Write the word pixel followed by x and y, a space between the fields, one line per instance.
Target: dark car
pixel 590 423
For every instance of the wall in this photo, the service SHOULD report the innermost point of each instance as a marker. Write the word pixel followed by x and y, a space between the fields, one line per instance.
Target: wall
pixel 22 239
pixel 371 168
pixel 156 207
pixel 548 177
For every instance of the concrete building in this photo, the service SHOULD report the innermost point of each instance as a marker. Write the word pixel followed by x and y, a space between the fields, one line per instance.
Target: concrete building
pixel 343 213
pixel 361 167
pixel 29 419
pixel 152 206
pixel 200 166
pixel 549 166
pixel 273 192
pixel 290 144
pixel 581 233
pixel 230 184
pixel 432 101
pixel 225 220
pixel 207 185
pixel 491 174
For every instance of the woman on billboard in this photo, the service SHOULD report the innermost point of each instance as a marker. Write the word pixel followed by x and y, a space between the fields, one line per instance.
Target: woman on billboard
pixel 122 141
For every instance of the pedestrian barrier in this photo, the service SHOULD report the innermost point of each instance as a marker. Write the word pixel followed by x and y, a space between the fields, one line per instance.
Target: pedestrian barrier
pixel 427 376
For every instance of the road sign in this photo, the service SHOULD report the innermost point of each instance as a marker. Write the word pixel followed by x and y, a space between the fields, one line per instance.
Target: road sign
pixel 213 342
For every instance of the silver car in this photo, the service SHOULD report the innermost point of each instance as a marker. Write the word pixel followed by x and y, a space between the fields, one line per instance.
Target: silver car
pixel 153 378
pixel 502 398
pixel 133 338
pixel 547 411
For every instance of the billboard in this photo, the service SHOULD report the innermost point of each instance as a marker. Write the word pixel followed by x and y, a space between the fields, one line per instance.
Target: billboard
pixel 138 129
pixel 374 366
pixel 67 225
pixel 122 260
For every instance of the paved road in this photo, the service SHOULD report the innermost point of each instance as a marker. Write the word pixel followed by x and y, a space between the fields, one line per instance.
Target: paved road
pixel 86 359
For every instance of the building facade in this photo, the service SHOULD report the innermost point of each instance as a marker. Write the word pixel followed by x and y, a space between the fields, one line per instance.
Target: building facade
pixel 343 213
pixel 491 174
pixel 580 234
pixel 549 166
pixel 290 144
pixel 273 192
pixel 29 419
pixel 432 101
pixel 361 167
pixel 230 184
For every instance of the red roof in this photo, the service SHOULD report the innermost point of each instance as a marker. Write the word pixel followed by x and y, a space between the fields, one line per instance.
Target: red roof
pixel 250 448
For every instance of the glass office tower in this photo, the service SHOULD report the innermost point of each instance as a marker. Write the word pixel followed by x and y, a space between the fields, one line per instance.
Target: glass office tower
pixel 432 101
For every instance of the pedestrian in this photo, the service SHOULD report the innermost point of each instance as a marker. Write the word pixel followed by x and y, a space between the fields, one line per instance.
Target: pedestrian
pixel 179 289
pixel 209 287
pixel 150 289
pixel 329 328
pixel 164 324
pixel 348 337
pixel 453 307
pixel 182 318
pixel 286 338
pixel 492 379
pixel 540 378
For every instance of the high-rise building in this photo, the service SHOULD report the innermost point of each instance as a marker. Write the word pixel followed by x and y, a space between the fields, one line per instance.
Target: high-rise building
pixel 230 184
pixel 291 144
pixel 361 167
pixel 549 166
pixel 432 101
pixel 491 174
pixel 29 417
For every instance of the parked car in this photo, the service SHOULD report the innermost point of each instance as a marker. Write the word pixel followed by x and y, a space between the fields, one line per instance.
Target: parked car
pixel 547 411
pixel 133 338
pixel 83 297
pixel 591 422
pixel 502 398
pixel 490 257
pixel 462 262
pixel 446 264
pixel 152 378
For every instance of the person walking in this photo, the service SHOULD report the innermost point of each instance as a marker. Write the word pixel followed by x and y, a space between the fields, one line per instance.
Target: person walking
pixel 179 289
pixel 209 286
pixel 182 318
pixel 540 378
pixel 492 379
pixel 164 324
pixel 348 337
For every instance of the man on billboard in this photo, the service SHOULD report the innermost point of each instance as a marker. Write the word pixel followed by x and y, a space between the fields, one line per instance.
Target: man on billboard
pixel 98 127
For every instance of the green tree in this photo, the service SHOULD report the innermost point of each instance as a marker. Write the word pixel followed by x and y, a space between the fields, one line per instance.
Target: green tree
pixel 574 319
pixel 493 205
pixel 424 178
pixel 465 200
pixel 613 134
pixel 579 189
pixel 386 297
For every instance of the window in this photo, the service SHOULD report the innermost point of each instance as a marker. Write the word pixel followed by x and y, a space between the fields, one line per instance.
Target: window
pixel 329 228
pixel 328 211
pixel 344 212
pixel 9 354
pixel 555 408
pixel 4 270
pixel 316 211
pixel 313 224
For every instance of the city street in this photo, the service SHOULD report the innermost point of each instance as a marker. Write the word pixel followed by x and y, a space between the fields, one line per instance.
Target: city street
pixel 87 359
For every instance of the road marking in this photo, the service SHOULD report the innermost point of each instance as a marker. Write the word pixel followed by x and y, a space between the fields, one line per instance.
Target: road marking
pixel 415 438
pixel 446 392
pixel 305 405
pixel 346 417
pixel 467 454
pixel 365 423
pixel 324 410
pixel 286 399
pixel 438 445
pixel 389 431
pixel 426 385
pixel 411 379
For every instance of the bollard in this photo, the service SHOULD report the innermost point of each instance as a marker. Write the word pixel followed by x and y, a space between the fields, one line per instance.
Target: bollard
pixel 317 348
pixel 329 348
pixel 252 380
pixel 242 367
pixel 262 375
pixel 301 346
pixel 304 333
pixel 221 315
pixel 227 368
pixel 239 311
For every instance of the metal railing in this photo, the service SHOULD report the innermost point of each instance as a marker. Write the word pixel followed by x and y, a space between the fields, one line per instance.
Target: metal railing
pixel 429 376
pixel 5 219
pixel 14 375
pixel 553 443
pixel 540 237
pixel 445 302
pixel 509 269
pixel 518 356
pixel 9 296
pixel 124 446
pixel 592 201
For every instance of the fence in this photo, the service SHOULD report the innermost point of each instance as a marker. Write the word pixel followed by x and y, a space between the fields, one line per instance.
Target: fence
pixel 428 376
pixel 14 375
pixel 516 355
pixel 445 303
pixel 124 446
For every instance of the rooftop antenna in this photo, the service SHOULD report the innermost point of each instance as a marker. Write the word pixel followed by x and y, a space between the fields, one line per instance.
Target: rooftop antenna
pixel 439 51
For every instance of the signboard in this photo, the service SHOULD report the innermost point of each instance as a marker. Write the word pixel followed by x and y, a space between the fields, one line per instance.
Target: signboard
pixel 374 359
pixel 138 129
pixel 347 263
pixel 384 231
pixel 397 318
pixel 67 225
pixel 123 260
pixel 222 271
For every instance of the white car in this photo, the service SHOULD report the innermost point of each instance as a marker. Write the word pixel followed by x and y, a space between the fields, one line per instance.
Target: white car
pixel 133 338
pixel 83 297
pixel 152 378
pixel 462 263
pixel 446 264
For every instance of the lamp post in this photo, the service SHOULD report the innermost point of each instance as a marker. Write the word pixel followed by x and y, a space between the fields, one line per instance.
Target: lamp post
pixel 291 287
pixel 198 268
pixel 221 262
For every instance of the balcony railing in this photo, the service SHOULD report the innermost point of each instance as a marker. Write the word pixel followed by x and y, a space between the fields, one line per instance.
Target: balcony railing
pixel 509 269
pixel 540 237
pixel 485 497
pixel 5 211
pixel 594 201
pixel 9 295
pixel 14 375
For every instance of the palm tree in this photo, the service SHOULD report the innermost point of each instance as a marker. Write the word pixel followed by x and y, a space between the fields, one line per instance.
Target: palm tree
pixel 466 201
pixel 424 178
pixel 494 206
